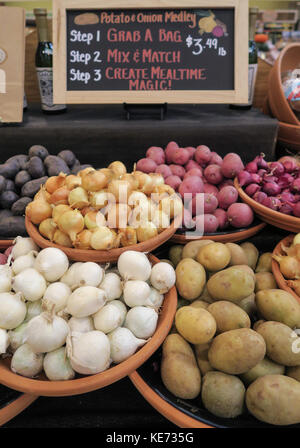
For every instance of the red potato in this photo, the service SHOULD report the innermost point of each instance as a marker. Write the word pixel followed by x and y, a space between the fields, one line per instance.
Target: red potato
pixel 222 218
pixel 3 259
pixel 240 215
pixel 157 154
pixel 146 165
pixel 180 156
pixel 227 195
pixel 191 151
pixel 173 181
pixel 170 148
pixel 191 165
pixel 202 155
pixel 177 170
pixel 210 188
pixel 164 170
pixel 194 172
pixel 203 203
pixel 191 185
pixel 213 174
pixel 232 165
pixel 206 223
pixel 215 159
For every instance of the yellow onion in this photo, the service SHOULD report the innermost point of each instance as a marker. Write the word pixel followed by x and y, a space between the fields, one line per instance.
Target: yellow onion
pixel 117 240
pixel 137 198
pixel 55 182
pixel 103 238
pixel 78 198
pixel 172 206
pixel 87 209
pixel 120 189
pixel 71 223
pixel 128 236
pixel 94 219
pixel 131 179
pixel 99 199
pixel 157 179
pixel 145 183
pixel 161 220
pixel 59 210
pixel 83 240
pixel 118 168
pixel 293 251
pixel 38 211
pixel 161 191
pixel 94 181
pixel 89 169
pixel 107 172
pixel 62 239
pixel 146 231
pixel 295 285
pixel 289 266
pixel 47 228
pixel 117 215
pixel 73 181
pixel 60 196
pixel 42 195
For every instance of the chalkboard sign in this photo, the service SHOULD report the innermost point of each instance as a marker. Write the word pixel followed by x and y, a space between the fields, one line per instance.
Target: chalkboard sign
pixel 150 52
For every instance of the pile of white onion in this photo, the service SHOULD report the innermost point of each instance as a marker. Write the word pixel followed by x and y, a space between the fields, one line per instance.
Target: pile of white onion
pixel 65 318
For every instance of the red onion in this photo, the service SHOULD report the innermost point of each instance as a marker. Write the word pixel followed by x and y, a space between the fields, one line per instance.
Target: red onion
pixel 252 189
pixel 251 167
pixel 256 178
pixel 287 197
pixel 296 184
pixel 259 196
pixel 244 178
pixel 262 172
pixel 287 209
pixel 272 202
pixel 270 178
pixel 277 168
pixel 285 180
pixel 297 197
pixel 261 163
pixel 290 166
pixel 296 209
pixel 271 188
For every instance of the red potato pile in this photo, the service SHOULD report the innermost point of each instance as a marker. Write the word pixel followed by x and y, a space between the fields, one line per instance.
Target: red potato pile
pixel 204 180
pixel 275 185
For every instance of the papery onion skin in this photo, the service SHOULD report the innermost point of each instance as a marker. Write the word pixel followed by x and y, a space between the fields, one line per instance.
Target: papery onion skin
pixel 118 168
pixel 78 198
pixel 128 236
pixel 83 240
pixel 102 239
pixel 54 182
pixel 94 181
pixel 62 239
pixel 37 211
pixel 60 196
pixel 47 228
pixel 58 210
pixel 73 181
pixel 71 222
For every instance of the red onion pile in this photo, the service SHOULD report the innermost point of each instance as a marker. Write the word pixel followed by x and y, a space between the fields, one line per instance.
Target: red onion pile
pixel 275 185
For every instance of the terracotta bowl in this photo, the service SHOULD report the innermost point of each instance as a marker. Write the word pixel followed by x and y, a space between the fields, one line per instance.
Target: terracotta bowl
pixel 288 60
pixel 82 384
pixel 281 281
pixel 223 237
pixel 99 256
pixel 289 134
pixel 277 219
pixel 14 405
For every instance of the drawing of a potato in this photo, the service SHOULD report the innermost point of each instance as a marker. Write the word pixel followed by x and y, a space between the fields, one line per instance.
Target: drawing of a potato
pixel 87 18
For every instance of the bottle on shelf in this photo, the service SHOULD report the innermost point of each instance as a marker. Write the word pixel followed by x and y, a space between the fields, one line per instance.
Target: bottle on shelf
pixel 297 25
pixel 43 63
pixel 252 61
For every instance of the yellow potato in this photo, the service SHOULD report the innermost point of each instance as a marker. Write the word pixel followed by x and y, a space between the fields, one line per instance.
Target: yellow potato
pixel 248 305
pixel 264 263
pixel 190 278
pixel 232 284
pixel 214 256
pixel 265 367
pixel 278 305
pixel 179 371
pixel 246 268
pixel 191 249
pixel 238 256
pixel 229 316
pixel 199 304
pixel 283 345
pixel 175 253
pixel 236 351
pixel 258 323
pixel 274 399
pixel 201 351
pixel 251 254
pixel 205 297
pixel 223 395
pixel 264 280
pixel 196 325
pixel 293 372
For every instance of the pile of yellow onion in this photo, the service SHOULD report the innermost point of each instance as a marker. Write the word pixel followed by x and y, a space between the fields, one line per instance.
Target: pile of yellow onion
pixel 77 211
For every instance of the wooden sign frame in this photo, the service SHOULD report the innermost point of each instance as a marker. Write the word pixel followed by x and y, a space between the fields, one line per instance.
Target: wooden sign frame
pixel 238 95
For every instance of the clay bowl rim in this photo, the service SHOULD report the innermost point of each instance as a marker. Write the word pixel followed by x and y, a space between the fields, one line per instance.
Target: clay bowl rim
pixel 281 281
pixel 100 256
pixel 89 383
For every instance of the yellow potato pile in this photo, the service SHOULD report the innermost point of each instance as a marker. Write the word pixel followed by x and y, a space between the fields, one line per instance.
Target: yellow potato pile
pixel 105 208
pixel 233 342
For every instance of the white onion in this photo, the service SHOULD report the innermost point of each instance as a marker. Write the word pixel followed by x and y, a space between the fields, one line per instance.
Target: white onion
pixel 85 301
pixel 46 332
pixel 56 295
pixel 33 309
pixel 107 318
pixel 23 246
pixel 81 324
pixel 123 344
pixel 5 278
pixel 17 337
pixel 4 341
pixel 163 277
pixel 89 353
pixel 52 263
pixel 134 266
pixel 136 293
pixel 121 307
pixel 30 283
pixel 88 274
pixel 26 362
pixel 12 310
pixel 155 299
pixel 141 321
pixel 57 366
pixel 112 286
pixel 69 278
pixel 24 262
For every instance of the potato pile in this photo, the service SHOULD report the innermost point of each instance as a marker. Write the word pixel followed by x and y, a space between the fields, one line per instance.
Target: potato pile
pixel 289 264
pixel 233 345
pixel 104 209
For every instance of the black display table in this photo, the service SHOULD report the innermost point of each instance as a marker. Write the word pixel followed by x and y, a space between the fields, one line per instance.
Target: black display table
pixel 101 134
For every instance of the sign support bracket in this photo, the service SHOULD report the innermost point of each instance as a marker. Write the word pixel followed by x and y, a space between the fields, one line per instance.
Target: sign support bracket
pixel 132 110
